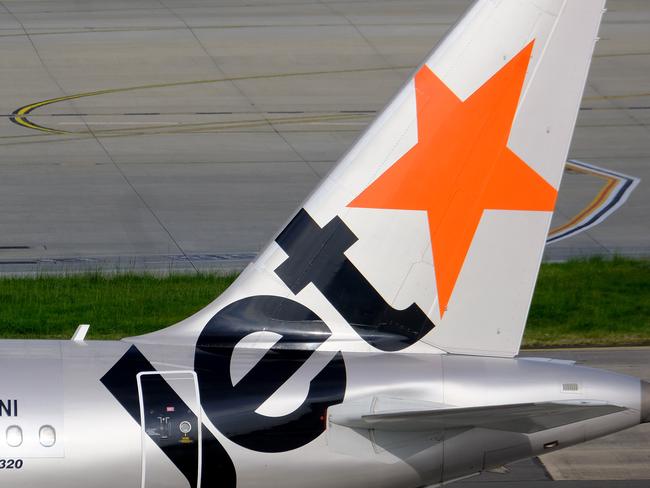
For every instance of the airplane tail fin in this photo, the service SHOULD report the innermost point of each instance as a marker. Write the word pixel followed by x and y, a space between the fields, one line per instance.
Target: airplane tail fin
pixel 429 232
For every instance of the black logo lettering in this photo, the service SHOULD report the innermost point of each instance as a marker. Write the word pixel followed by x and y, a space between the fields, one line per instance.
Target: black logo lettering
pixel 232 409
pixel 9 408
pixel 317 256
pixel 217 468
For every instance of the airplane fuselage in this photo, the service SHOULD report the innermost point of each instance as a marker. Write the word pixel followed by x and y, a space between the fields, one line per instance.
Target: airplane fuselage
pixel 124 415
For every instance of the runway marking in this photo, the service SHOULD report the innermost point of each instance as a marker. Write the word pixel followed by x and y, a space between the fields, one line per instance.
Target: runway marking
pixel 598 109
pixel 177 128
pixel 199 127
pixel 618 55
pixel 101 123
pixel 613 194
pixel 617 97
pixel 237 258
pixel 616 188
pixel 114 30
pixel 20 115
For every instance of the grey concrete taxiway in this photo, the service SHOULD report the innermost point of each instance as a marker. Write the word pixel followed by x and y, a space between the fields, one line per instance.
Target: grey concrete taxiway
pixel 171 134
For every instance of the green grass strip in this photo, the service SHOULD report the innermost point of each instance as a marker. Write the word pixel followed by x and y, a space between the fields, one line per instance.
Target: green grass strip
pixel 590 302
pixel 115 306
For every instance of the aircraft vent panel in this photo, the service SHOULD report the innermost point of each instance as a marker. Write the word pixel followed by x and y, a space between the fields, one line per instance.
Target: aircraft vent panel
pixel 570 387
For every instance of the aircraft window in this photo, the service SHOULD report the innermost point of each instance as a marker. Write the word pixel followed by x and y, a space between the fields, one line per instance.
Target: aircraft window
pixel 47 436
pixel 14 436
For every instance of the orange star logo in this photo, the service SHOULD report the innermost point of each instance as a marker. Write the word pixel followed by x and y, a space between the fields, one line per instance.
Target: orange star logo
pixel 461 166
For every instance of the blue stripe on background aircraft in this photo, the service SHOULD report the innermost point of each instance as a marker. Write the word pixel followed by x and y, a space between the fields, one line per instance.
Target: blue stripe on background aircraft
pixel 374 341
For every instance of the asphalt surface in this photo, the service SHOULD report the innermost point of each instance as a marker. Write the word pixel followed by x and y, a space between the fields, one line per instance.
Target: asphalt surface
pixel 177 135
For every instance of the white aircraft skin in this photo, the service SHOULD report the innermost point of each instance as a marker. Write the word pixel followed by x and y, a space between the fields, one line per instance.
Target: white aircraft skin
pixel 374 342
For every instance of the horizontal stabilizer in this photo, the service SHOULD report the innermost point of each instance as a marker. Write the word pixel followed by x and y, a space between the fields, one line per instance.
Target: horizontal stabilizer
pixel 525 418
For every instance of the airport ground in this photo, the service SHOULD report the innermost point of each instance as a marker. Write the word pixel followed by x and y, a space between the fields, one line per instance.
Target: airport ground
pixel 174 134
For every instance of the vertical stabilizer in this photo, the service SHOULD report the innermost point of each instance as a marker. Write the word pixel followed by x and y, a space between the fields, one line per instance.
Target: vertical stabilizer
pixel 429 232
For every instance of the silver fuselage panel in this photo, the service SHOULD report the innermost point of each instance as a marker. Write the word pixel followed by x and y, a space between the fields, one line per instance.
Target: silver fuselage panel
pixel 85 392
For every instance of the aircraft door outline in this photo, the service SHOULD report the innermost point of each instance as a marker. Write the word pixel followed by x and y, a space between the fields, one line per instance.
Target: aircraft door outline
pixel 178 428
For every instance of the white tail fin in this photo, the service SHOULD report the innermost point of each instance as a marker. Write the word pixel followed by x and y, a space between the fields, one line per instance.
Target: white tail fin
pixel 430 231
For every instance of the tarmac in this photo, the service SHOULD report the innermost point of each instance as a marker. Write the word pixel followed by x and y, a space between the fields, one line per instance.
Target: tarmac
pixel 146 134
pixel 181 134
